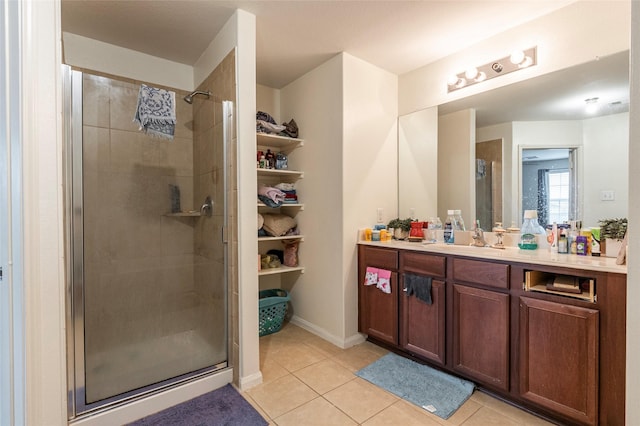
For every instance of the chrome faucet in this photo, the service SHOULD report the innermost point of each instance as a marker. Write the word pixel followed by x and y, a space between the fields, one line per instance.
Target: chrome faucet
pixel 478 236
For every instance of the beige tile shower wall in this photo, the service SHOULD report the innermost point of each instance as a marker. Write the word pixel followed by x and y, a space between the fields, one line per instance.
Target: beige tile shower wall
pixel 209 181
pixel 139 270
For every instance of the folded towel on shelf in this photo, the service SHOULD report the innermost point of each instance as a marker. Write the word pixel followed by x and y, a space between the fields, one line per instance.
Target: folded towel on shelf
pixel 156 112
pixel 286 186
pixel 419 286
pixel 273 193
pixel 278 224
pixel 269 202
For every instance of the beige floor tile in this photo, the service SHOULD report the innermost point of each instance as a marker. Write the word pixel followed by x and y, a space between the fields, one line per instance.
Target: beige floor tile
pixel 486 416
pixel 357 357
pixel 271 370
pixel 297 357
pixel 468 409
pixel 281 395
pixel 402 413
pixel 256 406
pixel 508 410
pixel 360 400
pixel 318 412
pixel 329 349
pixel 324 376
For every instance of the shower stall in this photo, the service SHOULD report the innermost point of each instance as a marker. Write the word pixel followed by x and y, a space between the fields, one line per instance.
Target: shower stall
pixel 147 301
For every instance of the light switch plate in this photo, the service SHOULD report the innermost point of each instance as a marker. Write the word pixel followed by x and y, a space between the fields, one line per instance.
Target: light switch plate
pixel 609 195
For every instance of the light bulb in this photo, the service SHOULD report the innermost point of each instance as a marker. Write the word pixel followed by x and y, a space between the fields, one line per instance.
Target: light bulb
pixel 471 73
pixel 452 80
pixel 517 57
pixel 481 77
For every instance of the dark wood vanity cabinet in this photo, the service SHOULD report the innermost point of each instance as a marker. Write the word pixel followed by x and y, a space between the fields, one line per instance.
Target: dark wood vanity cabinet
pixel 422 325
pixel 378 311
pixel 480 321
pixel 559 358
pixel 558 355
pixel 481 335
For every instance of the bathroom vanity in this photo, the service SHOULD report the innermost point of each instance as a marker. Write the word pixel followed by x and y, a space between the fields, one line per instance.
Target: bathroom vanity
pixel 542 330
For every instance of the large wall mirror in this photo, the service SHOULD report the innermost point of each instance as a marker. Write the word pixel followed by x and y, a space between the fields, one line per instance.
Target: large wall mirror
pixel 533 124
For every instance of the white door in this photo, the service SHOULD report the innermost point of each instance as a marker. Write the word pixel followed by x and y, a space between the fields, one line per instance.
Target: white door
pixel 12 378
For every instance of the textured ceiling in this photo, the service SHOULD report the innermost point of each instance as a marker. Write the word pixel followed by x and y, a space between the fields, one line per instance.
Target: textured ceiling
pixel 294 37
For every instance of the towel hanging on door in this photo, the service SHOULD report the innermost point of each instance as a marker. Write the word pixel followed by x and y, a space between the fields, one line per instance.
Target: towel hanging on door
pixel 156 112
pixel 419 286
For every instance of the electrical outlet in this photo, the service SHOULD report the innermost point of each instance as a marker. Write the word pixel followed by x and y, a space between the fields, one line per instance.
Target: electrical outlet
pixel 607 195
pixel 412 213
pixel 380 220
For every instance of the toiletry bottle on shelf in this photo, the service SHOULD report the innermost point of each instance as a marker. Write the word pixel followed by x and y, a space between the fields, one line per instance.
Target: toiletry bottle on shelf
pixel 563 245
pixel 449 227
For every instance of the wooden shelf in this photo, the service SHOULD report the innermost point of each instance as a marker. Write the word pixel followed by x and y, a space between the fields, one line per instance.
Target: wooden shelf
pixel 284 237
pixel 280 172
pixel 283 206
pixel 283 143
pixel 281 270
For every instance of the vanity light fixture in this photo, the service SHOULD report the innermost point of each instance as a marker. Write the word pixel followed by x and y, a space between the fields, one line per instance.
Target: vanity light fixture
pixel 517 60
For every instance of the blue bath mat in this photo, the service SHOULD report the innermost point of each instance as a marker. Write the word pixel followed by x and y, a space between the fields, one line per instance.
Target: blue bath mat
pixel 430 389
pixel 222 407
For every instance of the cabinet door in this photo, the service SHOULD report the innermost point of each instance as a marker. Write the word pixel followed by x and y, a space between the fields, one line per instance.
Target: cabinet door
pixel 379 315
pixel 559 358
pixel 422 329
pixel 481 335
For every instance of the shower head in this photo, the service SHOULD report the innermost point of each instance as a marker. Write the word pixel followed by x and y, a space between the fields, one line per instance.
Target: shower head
pixel 189 98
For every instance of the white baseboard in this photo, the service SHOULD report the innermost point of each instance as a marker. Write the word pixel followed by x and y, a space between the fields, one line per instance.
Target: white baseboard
pixel 320 332
pixel 157 402
pixel 250 381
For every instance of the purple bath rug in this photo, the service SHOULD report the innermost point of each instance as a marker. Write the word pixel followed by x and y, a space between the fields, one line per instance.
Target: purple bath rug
pixel 221 407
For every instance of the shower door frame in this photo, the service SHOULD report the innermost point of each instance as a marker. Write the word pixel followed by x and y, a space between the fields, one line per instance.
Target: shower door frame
pixel 73 192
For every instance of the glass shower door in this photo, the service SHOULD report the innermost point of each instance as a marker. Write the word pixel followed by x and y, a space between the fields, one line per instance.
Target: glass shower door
pixel 149 284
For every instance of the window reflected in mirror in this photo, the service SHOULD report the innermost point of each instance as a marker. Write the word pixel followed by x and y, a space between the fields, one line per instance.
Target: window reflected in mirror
pixel 549 184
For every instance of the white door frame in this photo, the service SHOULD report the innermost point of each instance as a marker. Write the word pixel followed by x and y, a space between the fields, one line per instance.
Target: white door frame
pixel 12 347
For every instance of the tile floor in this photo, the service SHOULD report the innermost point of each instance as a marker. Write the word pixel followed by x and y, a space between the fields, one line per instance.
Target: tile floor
pixel 308 381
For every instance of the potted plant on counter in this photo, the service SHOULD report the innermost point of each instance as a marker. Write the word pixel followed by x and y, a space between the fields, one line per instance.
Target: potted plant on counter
pixel 401 228
pixel 612 232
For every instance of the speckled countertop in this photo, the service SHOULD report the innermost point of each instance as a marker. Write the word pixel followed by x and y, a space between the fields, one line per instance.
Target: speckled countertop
pixel 510 254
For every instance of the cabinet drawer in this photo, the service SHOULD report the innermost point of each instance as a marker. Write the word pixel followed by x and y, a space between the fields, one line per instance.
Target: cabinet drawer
pixel 381 258
pixel 481 272
pixel 420 263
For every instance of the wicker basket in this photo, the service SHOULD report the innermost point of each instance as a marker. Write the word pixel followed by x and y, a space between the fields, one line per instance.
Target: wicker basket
pixel 272 309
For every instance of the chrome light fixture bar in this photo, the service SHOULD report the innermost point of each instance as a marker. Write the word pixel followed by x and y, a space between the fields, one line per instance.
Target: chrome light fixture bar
pixel 516 61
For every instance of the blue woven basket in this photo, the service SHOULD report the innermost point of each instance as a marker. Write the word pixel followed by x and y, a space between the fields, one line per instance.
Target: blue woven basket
pixel 272 309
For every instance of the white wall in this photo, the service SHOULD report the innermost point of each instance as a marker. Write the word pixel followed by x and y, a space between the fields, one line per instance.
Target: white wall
pixel 502 131
pixel 606 167
pixel 418 164
pixel 456 164
pixel 633 277
pixel 96 55
pixel 315 102
pixel 369 164
pixel 268 100
pixel 569 36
